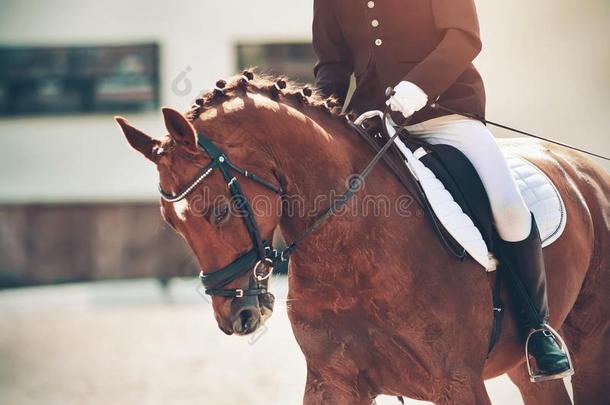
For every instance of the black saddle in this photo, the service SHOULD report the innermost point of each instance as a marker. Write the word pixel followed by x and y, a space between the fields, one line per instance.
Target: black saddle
pixel 462 181
pixel 450 166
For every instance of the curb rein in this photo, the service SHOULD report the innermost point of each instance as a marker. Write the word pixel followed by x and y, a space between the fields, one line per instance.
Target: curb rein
pixel 262 258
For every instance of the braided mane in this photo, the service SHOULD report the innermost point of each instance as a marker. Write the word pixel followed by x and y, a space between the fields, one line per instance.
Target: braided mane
pixel 274 87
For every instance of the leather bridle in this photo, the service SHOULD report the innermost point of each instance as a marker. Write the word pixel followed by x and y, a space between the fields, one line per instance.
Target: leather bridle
pixel 262 258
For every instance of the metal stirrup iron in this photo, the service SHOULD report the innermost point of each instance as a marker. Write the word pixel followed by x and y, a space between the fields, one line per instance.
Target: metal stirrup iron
pixel 538 376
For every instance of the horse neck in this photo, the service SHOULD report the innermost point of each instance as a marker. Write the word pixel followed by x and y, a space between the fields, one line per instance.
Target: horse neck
pixel 312 154
pixel 315 159
pixel 316 154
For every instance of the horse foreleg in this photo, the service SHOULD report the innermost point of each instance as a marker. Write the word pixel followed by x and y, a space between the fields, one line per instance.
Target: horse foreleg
pixel 323 388
pixel 548 392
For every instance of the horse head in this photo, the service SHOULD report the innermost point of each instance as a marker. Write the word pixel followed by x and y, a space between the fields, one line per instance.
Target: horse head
pixel 224 181
pixel 207 214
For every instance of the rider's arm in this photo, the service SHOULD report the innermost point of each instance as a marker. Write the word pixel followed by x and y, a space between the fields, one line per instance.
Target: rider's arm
pixel 334 65
pixel 457 22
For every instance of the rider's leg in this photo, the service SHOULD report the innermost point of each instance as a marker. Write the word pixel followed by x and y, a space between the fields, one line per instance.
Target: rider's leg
pixel 510 213
pixel 515 224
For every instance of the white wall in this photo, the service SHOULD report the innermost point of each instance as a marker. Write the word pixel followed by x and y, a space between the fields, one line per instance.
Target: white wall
pixel 84 157
pixel 546 65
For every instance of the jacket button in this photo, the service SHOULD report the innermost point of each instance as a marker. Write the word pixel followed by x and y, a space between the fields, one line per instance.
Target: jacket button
pixel 370 4
pixel 378 42
pixel 375 23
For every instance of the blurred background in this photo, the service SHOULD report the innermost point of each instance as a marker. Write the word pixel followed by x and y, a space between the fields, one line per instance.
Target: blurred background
pixel 108 307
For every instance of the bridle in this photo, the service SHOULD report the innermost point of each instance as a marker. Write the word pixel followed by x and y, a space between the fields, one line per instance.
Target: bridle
pixel 262 258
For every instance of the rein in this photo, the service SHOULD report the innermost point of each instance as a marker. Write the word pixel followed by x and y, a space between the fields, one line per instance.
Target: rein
pixel 262 258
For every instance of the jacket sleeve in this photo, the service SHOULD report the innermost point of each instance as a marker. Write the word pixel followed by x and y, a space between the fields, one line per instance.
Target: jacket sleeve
pixel 457 23
pixel 334 66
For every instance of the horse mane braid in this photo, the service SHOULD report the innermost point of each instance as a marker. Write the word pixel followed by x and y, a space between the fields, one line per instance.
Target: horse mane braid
pixel 272 87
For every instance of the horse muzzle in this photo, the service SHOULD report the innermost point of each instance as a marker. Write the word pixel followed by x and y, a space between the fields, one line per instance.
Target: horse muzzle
pixel 247 320
pixel 249 313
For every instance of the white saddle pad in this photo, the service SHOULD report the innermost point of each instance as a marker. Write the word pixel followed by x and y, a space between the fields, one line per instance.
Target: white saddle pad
pixel 539 193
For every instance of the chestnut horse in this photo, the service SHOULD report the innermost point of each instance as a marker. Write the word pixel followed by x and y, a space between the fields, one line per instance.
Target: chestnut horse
pixel 377 305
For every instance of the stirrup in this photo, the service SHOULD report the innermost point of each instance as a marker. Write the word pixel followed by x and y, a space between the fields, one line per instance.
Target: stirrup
pixel 538 376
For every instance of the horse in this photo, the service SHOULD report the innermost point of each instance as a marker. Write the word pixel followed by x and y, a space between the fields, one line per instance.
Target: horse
pixel 377 305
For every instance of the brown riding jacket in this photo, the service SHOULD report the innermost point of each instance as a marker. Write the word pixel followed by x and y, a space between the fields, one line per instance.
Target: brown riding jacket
pixel 428 42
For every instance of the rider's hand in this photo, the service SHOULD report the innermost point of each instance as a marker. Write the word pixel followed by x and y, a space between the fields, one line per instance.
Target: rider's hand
pixel 407 99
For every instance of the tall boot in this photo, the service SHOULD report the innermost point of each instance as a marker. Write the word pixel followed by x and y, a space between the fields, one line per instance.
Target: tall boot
pixel 524 265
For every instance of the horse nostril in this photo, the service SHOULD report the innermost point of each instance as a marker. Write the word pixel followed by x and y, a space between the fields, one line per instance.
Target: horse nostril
pixel 246 318
pixel 247 321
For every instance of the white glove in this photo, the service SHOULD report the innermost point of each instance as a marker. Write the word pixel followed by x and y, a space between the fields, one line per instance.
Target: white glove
pixel 407 99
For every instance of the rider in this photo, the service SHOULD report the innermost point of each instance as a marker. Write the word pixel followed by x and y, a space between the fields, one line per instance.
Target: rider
pixel 424 50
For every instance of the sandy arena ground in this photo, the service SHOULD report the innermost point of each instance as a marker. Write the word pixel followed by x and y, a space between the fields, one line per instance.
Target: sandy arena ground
pixel 127 342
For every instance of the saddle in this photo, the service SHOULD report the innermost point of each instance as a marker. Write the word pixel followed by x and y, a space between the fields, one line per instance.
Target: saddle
pixel 450 191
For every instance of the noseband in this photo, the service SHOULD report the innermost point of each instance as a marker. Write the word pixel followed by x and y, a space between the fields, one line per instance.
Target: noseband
pixel 262 258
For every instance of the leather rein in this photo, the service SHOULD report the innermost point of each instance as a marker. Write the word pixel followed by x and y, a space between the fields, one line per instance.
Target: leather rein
pixel 262 258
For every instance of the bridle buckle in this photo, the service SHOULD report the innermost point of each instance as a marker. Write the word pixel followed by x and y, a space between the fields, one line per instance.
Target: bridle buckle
pixel 239 293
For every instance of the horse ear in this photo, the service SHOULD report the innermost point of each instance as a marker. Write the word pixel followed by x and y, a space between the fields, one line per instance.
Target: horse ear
pixel 179 128
pixel 139 140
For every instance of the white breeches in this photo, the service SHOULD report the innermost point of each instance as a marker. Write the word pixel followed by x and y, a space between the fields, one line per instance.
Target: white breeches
pixel 510 213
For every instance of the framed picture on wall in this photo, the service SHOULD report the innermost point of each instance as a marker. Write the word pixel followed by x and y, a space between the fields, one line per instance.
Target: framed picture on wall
pixel 292 59
pixel 73 80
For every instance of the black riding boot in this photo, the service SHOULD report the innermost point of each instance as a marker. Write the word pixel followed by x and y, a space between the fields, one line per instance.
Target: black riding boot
pixel 525 270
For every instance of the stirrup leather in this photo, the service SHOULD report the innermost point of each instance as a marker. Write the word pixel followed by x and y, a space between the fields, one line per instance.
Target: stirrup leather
pixel 536 376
